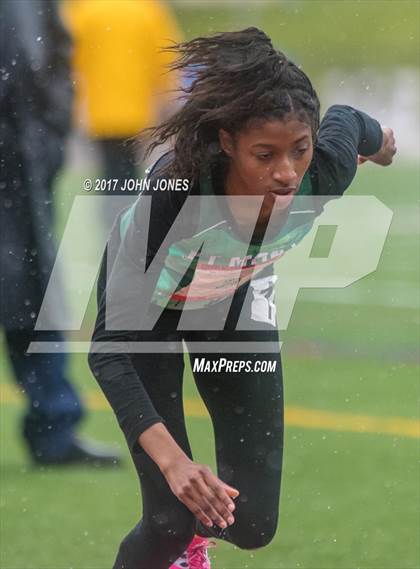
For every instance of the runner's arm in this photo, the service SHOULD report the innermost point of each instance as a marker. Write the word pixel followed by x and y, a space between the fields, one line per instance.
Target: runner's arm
pixel 344 134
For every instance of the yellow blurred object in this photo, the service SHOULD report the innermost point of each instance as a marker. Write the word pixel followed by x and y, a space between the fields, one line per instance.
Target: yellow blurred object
pixel 120 73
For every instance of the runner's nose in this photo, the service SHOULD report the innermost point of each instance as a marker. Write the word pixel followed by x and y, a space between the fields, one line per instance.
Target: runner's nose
pixel 284 173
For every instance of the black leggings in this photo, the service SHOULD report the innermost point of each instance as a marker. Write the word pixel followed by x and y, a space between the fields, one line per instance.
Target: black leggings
pixel 246 410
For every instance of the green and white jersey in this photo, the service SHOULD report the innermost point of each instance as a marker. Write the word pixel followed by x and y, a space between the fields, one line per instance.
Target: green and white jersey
pixel 209 265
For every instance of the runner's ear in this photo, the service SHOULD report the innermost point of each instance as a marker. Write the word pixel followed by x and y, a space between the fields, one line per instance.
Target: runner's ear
pixel 226 141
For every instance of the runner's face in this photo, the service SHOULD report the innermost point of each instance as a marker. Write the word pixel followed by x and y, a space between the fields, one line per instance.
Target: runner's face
pixel 268 158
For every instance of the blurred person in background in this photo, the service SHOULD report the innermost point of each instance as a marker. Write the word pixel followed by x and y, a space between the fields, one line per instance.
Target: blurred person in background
pixel 121 79
pixel 36 98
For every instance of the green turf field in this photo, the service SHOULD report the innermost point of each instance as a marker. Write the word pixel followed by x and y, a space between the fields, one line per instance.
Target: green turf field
pixel 349 500
pixel 318 34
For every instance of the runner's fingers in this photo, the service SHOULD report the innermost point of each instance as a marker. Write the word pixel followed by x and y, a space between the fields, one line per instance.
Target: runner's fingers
pixel 220 492
pixel 393 147
pixel 206 506
pixel 219 489
pixel 218 502
pixel 194 507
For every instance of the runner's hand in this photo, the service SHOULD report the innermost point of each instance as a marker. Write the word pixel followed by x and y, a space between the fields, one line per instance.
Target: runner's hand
pixel 204 494
pixel 386 154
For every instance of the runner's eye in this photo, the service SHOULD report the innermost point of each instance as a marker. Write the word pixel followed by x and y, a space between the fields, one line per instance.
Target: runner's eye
pixel 264 156
pixel 300 151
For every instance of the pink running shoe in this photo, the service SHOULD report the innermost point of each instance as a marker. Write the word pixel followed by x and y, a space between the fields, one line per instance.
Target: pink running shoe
pixel 196 556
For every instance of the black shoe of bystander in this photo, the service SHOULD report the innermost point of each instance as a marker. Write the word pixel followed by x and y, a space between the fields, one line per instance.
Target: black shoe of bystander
pixel 83 452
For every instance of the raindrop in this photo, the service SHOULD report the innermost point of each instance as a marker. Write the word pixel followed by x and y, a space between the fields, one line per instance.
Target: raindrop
pixel 241 440
pixel 85 533
pixel 27 302
pixel 7 203
pixel 33 315
pixel 173 395
pixel 161 519
pixel 39 38
pixel 35 404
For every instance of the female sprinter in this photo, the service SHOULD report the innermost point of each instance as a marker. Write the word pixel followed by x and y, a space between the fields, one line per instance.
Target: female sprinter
pixel 249 128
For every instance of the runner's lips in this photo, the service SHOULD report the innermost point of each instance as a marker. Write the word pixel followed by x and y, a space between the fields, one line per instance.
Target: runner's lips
pixel 283 191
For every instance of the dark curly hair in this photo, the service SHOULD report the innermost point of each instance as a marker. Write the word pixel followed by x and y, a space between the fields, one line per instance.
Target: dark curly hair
pixel 237 76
